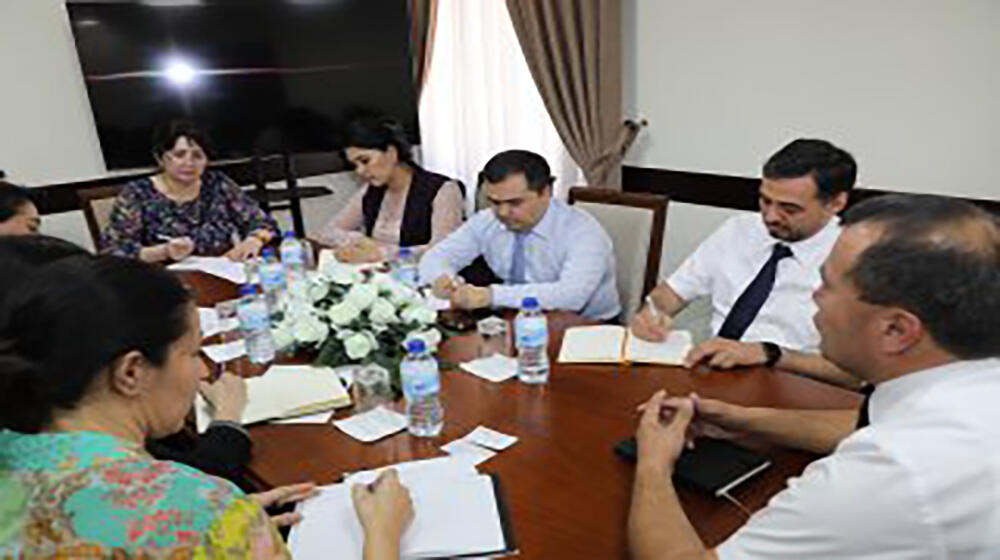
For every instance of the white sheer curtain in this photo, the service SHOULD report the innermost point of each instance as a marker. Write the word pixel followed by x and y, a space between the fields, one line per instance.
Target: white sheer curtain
pixel 480 98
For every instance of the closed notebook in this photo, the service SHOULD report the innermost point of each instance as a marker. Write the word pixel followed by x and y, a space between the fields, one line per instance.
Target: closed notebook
pixel 612 344
pixel 285 392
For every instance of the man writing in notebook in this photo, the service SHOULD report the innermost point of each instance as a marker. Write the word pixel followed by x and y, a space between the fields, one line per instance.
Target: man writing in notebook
pixel 759 271
pixel 910 303
pixel 539 246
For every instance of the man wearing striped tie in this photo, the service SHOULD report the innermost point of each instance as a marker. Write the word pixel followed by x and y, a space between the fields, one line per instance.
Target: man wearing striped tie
pixel 909 304
pixel 537 245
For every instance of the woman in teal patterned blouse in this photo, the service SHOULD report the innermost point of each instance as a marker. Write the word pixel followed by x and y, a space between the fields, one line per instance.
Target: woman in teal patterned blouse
pixel 185 209
pixel 97 355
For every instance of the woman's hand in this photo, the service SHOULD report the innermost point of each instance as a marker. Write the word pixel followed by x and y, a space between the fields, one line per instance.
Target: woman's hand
pixel 179 248
pixel 384 507
pixel 363 250
pixel 286 495
pixel 246 249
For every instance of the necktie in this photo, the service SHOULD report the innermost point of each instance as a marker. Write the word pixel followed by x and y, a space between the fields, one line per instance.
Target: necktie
pixel 753 297
pixel 863 419
pixel 517 260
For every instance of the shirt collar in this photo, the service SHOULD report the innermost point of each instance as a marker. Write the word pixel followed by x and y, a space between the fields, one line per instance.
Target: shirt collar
pixel 818 245
pixel 894 395
pixel 544 228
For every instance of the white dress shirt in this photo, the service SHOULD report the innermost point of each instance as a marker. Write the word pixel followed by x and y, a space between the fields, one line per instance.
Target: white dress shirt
pixel 922 481
pixel 569 260
pixel 729 259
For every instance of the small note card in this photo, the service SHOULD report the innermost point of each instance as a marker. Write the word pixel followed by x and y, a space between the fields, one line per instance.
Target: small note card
pixel 495 368
pixel 373 425
pixel 221 353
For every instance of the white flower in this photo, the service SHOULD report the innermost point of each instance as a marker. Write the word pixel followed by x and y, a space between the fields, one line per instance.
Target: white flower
pixel 283 337
pixel 309 329
pixel 361 296
pixel 341 273
pixel 431 338
pixel 342 313
pixel 419 314
pixel 383 312
pixel 318 289
pixel 358 346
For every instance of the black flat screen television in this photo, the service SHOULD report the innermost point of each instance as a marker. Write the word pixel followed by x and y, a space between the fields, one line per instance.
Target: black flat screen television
pixel 264 76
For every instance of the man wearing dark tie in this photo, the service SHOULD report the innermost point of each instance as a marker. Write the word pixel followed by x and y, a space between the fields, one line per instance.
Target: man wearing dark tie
pixel 759 271
pixel 910 304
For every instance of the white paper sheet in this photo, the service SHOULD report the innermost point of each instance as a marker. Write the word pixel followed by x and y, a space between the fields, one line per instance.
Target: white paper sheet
pixel 490 439
pixel 372 425
pixel 466 451
pixel 216 266
pixel 222 353
pixel 318 418
pixel 412 471
pixel 452 516
pixel 495 368
pixel 211 325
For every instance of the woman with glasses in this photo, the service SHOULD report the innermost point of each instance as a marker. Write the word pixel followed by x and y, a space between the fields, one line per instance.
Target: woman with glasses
pixel 185 209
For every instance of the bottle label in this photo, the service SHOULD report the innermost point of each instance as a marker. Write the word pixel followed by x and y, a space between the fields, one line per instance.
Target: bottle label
pixel 406 275
pixel 272 276
pixel 419 378
pixel 532 331
pixel 291 254
pixel 253 317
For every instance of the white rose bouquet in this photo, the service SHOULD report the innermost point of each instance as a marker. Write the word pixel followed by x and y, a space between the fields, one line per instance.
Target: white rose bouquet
pixel 354 317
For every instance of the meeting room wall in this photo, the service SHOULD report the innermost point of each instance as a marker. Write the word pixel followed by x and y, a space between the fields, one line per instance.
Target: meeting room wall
pixel 910 87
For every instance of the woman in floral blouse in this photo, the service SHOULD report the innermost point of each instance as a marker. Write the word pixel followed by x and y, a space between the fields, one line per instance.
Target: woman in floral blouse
pixel 185 209
pixel 97 354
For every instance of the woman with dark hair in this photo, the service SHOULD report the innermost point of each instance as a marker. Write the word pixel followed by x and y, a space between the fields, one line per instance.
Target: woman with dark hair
pixel 18 213
pixel 185 209
pixel 97 355
pixel 401 204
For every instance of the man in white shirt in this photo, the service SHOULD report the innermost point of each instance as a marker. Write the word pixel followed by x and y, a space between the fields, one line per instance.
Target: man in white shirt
pixel 910 303
pixel 539 246
pixel 760 271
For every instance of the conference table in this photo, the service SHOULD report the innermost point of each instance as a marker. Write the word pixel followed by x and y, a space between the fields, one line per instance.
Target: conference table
pixel 568 493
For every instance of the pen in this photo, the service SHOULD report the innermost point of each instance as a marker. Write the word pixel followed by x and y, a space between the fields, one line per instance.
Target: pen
pixel 651 305
pixel 163 237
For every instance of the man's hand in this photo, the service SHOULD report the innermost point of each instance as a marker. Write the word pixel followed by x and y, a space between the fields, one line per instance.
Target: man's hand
pixel 650 325
pixel 471 297
pixel 245 250
pixel 286 495
pixel 179 248
pixel 444 286
pixel 227 395
pixel 663 430
pixel 362 250
pixel 723 353
pixel 383 507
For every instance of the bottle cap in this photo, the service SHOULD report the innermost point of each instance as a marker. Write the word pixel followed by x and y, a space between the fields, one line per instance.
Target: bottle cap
pixel 416 346
pixel 529 303
pixel 248 289
pixel 405 252
pixel 268 252
pixel 288 234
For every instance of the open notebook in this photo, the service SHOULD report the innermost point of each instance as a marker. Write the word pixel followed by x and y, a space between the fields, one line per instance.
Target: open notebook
pixel 285 392
pixel 603 344
pixel 455 515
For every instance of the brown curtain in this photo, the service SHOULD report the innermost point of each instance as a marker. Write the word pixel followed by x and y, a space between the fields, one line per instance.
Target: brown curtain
pixel 574 51
pixel 423 14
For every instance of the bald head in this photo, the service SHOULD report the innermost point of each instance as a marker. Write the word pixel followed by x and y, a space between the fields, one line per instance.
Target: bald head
pixel 939 259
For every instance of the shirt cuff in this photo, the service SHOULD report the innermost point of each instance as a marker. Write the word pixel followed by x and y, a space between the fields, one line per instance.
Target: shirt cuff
pixel 506 296
pixel 229 424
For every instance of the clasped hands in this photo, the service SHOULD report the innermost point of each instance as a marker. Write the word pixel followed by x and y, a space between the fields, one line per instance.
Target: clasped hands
pixel 179 248
pixel 460 294
pixel 669 424
pixel 718 353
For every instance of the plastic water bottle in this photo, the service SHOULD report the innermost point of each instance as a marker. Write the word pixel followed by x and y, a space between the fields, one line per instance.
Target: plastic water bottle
pixel 293 258
pixel 272 283
pixel 254 322
pixel 532 332
pixel 406 267
pixel 421 382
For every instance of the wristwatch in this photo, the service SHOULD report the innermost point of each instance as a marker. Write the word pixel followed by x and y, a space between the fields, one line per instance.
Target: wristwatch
pixel 772 352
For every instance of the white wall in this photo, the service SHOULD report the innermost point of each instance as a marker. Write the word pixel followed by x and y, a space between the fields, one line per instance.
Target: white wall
pixel 910 87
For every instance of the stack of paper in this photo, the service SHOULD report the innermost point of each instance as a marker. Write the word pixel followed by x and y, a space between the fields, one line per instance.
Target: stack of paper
pixel 216 266
pixel 456 513
pixel 285 392
pixel 614 344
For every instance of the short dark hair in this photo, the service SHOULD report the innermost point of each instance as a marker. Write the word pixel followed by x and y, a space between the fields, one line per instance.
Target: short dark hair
pixel 378 132
pixel 938 258
pixel 71 319
pixel 23 253
pixel 833 169
pixel 165 137
pixel 12 199
pixel 518 162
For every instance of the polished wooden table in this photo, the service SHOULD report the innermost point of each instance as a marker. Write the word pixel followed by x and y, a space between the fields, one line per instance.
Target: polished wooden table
pixel 568 492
